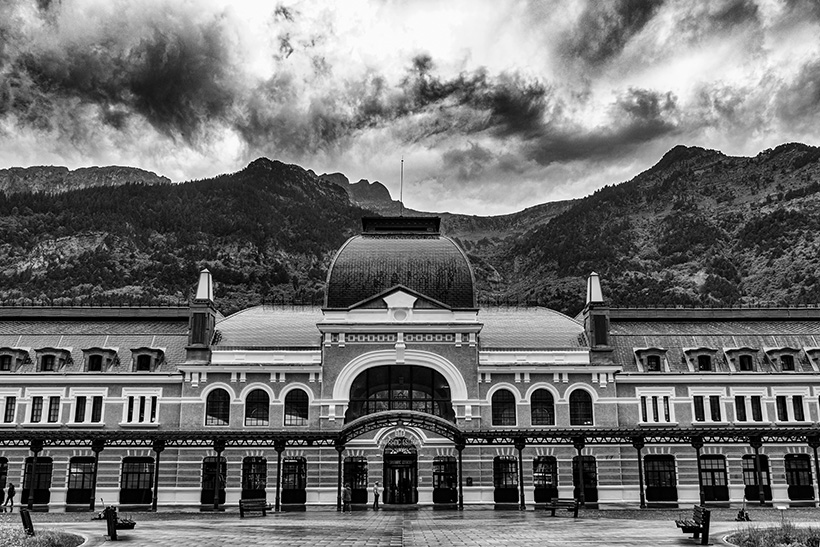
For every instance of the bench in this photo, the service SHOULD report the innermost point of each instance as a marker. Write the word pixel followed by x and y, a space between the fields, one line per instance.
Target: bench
pixel 258 505
pixel 698 524
pixel 570 504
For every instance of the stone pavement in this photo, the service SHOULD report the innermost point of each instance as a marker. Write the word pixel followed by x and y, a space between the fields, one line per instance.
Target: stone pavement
pixel 416 528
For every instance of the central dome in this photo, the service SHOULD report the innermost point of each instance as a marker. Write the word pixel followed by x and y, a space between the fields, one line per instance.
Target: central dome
pixel 406 251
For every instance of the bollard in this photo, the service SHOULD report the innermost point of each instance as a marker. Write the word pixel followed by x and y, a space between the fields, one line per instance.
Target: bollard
pixel 111 520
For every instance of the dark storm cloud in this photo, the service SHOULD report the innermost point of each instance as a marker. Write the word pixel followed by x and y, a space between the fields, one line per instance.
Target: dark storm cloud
pixel 472 102
pixel 798 102
pixel 604 28
pixel 174 77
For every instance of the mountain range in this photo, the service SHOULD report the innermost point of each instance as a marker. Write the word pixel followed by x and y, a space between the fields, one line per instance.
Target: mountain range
pixel 698 228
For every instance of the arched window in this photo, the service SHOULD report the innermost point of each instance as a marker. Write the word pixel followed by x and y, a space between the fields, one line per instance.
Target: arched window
pixel 400 387
pixel 503 407
pixel 542 408
pixel 257 406
pixel 218 408
pixel 580 408
pixel 296 407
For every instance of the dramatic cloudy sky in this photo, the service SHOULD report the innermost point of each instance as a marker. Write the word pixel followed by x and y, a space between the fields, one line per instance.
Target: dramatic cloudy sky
pixel 495 106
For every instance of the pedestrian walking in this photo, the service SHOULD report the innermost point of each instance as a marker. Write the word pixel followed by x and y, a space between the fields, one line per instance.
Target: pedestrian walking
pixel 10 498
pixel 377 490
pixel 347 494
pixel 2 499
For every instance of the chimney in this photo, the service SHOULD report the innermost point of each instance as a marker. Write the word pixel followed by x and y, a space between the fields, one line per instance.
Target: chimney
pixel 205 287
pixel 201 321
pixel 596 320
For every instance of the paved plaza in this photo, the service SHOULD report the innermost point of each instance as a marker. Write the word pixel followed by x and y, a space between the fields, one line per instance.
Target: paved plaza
pixel 421 528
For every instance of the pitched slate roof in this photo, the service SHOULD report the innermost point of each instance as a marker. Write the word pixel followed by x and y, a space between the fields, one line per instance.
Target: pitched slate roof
pixel 269 326
pixel 82 333
pixel 529 328
pixel 677 336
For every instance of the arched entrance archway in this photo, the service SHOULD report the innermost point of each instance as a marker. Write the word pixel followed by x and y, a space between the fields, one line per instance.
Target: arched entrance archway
pixel 401 472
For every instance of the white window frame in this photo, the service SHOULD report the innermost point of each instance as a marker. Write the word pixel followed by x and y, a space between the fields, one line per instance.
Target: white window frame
pixel 748 393
pixel 5 393
pixel 136 393
pixel 89 394
pixel 46 393
pixel 706 393
pixel 789 393
pixel 660 393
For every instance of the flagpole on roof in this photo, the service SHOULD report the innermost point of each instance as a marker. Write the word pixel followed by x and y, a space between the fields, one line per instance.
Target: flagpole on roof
pixel 401 189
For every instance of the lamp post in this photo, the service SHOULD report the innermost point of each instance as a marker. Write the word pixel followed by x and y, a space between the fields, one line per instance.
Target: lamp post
pixel 579 443
pixel 460 448
pixel 279 446
pixel 219 447
pixel 158 446
pixel 36 447
pixel 757 442
pixel 97 446
pixel 638 443
pixel 519 445
pixel 697 444
pixel 340 447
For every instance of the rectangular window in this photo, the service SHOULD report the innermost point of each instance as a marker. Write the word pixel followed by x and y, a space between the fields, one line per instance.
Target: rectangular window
pixel 36 409
pixel 757 408
pixel 96 409
pixel 5 363
pixel 667 415
pixel 704 363
pixel 655 408
pixel 142 409
pixel 740 408
pixel 505 472
pixel 79 409
pixel 714 407
pixel 797 404
pixel 653 363
pixel 601 331
pixel 47 363
pixel 11 410
pixel 782 409
pixel 53 409
pixel 746 363
pixel 700 415
pixel 643 409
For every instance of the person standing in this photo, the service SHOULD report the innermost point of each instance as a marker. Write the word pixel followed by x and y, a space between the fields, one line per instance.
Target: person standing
pixel 2 498
pixel 347 494
pixel 10 498
pixel 376 493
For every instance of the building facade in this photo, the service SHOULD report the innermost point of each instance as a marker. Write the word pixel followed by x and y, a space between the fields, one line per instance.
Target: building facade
pixel 400 378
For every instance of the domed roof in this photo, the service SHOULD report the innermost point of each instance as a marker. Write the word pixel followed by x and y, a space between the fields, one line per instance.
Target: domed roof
pixel 406 251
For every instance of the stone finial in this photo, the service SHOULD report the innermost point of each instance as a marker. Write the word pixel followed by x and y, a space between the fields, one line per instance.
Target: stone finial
pixel 205 287
pixel 594 293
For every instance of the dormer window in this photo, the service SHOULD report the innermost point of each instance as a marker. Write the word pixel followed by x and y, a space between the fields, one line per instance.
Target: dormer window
pixel 147 359
pixel 650 359
pixel 95 363
pixel 53 359
pixel 701 359
pixel 12 358
pixel 784 359
pixel 787 363
pixel 744 363
pixel 100 359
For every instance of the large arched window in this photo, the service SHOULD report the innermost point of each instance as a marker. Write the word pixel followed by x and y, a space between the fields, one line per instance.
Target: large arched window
pixel 400 387
pixel 218 408
pixel 580 408
pixel 542 408
pixel 296 407
pixel 503 408
pixel 257 406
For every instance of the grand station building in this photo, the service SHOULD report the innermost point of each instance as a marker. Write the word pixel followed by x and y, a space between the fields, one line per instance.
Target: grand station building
pixel 401 378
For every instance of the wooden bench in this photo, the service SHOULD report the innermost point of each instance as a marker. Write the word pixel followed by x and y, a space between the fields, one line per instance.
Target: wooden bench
pixel 570 504
pixel 698 525
pixel 259 505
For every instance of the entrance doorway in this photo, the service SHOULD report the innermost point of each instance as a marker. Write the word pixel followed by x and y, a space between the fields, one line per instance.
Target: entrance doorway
pixel 400 472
